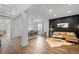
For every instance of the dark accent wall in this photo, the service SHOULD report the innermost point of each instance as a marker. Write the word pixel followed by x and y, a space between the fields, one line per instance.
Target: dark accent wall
pixel 73 22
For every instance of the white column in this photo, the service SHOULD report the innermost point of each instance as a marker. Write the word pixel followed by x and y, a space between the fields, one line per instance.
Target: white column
pixel 24 40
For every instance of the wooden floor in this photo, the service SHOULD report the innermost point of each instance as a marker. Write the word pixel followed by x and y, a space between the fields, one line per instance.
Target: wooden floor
pixel 40 46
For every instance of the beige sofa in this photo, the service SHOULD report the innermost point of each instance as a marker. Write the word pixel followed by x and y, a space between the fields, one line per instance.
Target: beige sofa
pixel 68 36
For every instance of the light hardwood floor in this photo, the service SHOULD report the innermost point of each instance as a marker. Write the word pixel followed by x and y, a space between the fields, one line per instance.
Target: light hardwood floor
pixel 40 46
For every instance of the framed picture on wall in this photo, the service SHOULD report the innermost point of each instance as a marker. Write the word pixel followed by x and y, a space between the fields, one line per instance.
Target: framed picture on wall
pixel 62 25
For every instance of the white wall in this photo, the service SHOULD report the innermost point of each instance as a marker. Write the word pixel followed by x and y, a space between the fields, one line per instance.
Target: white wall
pixel 17 26
pixel 46 26
pixel 4 25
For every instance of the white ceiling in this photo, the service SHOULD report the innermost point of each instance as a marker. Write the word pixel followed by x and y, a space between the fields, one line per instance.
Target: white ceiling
pixel 42 10
pixel 18 8
pixel 60 10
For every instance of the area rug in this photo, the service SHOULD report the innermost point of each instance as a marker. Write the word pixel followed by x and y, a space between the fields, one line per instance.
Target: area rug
pixel 54 42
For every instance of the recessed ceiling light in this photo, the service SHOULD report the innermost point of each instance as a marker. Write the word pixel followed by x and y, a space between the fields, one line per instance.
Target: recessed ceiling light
pixel 69 4
pixel 68 11
pixel 50 10
pixel 54 15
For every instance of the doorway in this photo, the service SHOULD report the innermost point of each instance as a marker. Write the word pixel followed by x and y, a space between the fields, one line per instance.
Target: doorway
pixel 40 28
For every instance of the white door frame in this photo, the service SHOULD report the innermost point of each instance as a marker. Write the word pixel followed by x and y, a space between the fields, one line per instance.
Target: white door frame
pixel 42 26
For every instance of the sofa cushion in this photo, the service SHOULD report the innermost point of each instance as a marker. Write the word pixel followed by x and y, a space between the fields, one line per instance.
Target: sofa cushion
pixel 59 34
pixel 70 34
